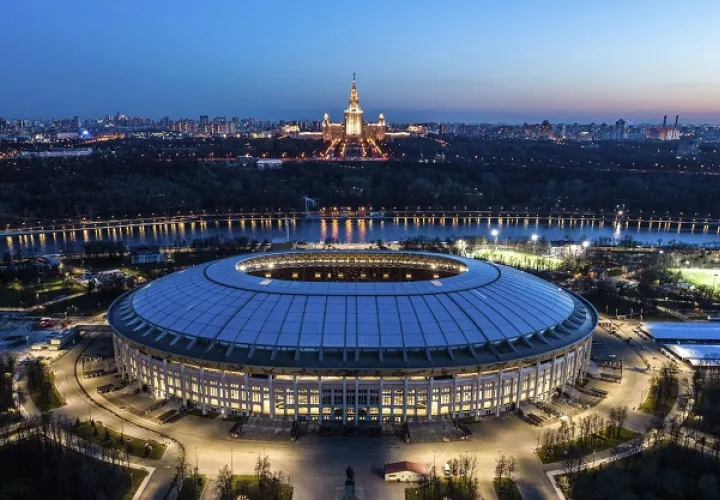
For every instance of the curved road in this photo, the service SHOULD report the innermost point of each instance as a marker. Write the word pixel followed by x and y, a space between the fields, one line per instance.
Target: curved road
pixel 316 465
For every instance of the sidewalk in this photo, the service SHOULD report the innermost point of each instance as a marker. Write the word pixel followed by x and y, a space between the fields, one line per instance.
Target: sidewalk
pixel 556 469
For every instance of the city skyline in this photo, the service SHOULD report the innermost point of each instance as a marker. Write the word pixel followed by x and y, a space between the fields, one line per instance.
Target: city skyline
pixel 416 62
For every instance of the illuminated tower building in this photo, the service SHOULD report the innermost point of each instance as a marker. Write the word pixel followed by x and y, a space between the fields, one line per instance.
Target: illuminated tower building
pixel 354 115
pixel 353 137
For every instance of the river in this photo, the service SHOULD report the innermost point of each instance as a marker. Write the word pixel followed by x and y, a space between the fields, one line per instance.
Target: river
pixel 349 230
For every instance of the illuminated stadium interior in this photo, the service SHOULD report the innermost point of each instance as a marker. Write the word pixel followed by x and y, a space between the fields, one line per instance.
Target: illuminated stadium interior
pixel 351 267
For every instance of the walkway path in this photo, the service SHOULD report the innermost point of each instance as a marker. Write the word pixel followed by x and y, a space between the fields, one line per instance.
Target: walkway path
pixel 80 406
pixel 316 465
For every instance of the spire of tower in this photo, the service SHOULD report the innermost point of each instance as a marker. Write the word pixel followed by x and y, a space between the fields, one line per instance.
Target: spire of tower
pixel 354 100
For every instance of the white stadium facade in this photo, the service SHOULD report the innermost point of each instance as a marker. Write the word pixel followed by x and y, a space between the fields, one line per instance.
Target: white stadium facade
pixel 352 336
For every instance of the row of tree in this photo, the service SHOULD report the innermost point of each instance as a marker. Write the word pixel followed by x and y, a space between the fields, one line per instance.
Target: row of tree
pixel 7 369
pixel 44 458
pixel 136 182
pixel 585 433
pixel 267 484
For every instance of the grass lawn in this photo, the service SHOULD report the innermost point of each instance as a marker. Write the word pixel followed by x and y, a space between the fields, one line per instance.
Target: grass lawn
pixel 661 407
pixel 700 276
pixel 88 304
pixel 668 471
pixel 422 491
pixel 24 294
pixel 248 485
pixel 54 399
pixel 510 490
pixel 137 446
pixel 138 475
pixel 192 491
pixel 555 454
pixel 518 259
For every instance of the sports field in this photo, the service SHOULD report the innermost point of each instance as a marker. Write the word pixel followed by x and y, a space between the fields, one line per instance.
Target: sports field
pixel 518 259
pixel 701 276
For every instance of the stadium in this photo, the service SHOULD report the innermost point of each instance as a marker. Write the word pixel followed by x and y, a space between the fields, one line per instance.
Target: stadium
pixel 352 336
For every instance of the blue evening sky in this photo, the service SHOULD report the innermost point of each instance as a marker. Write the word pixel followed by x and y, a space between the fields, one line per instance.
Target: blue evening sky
pixel 474 60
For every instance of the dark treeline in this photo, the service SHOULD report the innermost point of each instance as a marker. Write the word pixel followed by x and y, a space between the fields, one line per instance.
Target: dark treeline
pixel 45 459
pixel 664 472
pixel 7 368
pixel 507 174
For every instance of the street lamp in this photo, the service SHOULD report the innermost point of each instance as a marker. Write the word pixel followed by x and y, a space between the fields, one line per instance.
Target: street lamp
pixel 534 239
pixel 585 244
pixel 494 234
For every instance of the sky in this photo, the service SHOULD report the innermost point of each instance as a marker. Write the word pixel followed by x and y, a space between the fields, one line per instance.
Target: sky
pixel 455 60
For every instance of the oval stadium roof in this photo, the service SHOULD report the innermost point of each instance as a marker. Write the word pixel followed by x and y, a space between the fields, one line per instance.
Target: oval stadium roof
pixel 485 306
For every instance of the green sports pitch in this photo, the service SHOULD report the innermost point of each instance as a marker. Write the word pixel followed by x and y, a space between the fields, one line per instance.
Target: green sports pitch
pixel 701 276
pixel 518 259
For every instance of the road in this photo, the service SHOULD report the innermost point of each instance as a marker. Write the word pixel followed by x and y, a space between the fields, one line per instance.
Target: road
pixel 316 465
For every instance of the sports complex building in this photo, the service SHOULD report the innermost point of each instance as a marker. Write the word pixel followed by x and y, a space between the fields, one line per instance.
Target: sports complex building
pixel 352 336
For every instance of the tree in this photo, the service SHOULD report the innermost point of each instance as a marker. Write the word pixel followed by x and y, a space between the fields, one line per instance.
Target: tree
pixel 500 468
pixel 224 486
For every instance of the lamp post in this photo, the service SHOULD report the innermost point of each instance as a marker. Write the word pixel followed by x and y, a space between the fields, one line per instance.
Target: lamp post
pixel 494 234
pixel 534 239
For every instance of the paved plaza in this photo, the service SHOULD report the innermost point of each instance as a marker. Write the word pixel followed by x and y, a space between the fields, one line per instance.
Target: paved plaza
pixel 315 464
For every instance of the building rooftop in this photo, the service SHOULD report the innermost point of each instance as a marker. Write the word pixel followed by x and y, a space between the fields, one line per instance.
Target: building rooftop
pixel 416 467
pixel 478 310
pixel 697 331
pixel 697 354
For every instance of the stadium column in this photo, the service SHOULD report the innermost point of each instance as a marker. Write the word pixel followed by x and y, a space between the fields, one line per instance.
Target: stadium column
pixel 247 393
pixel 223 394
pixel 320 401
pixel 430 398
pixel 537 383
pixel 165 378
pixel 271 395
pixel 477 395
pixel 380 400
pixel 587 352
pixel 182 384
pixel 481 403
pixel 356 400
pixel 405 390
pixel 151 377
pixel 453 396
pixel 139 364
pixel 344 400
pixel 519 385
pixel 553 374
pixel 295 392
pixel 499 392
pixel 564 372
pixel 202 390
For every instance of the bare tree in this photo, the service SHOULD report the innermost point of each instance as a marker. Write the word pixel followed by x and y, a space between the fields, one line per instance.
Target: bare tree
pixel 223 489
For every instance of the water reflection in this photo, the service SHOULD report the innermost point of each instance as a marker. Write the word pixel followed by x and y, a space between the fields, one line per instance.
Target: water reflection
pixel 363 231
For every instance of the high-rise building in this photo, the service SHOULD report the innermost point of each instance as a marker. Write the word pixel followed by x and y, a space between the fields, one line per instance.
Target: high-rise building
pixel 621 132
pixel 354 114
pixel 354 126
